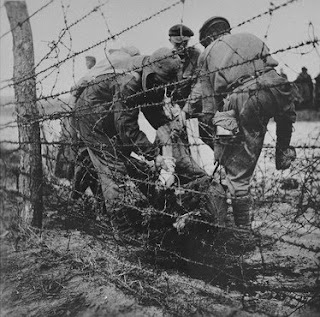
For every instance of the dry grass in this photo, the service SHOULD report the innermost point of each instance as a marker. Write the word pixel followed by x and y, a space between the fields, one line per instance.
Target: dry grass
pixel 80 264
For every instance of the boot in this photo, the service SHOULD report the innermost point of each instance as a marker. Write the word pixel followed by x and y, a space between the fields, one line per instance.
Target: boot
pixel 243 235
pixel 216 203
pixel 241 212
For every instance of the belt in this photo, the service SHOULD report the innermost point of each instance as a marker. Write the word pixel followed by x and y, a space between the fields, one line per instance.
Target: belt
pixel 245 78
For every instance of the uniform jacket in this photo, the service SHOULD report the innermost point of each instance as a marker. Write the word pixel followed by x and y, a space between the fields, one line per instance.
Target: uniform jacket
pixel 109 108
pixel 305 86
pixel 189 62
pixel 188 73
pixel 228 59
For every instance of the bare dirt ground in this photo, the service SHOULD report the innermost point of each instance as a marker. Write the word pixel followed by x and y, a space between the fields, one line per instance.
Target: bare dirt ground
pixel 75 274
pixel 79 266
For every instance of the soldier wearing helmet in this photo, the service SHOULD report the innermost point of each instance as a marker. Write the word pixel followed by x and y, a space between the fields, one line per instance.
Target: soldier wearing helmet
pixel 212 29
pixel 106 120
pixel 240 91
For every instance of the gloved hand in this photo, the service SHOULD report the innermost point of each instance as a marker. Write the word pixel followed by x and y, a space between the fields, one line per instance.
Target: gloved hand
pixel 284 157
pixel 176 129
pixel 166 165
pixel 165 162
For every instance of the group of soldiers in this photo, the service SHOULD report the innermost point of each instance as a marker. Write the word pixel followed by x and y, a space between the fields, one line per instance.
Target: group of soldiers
pixel 232 88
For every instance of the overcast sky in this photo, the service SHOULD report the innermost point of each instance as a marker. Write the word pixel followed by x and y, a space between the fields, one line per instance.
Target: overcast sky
pixel 293 24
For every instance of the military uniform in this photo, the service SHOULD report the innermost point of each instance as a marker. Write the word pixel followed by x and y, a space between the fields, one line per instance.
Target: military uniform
pixel 305 87
pixel 187 76
pixel 179 36
pixel 106 118
pixel 238 74
pixel 83 173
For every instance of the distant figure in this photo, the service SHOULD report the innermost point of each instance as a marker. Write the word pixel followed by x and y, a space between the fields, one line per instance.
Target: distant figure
pixel 305 86
pixel 282 74
pixel 90 61
pixel 317 93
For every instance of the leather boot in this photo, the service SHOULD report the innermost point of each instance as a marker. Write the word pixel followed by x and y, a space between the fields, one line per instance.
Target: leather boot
pixel 241 212
pixel 216 203
pixel 243 235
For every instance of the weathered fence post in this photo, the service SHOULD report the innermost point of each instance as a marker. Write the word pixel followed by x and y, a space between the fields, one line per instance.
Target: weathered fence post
pixel 31 177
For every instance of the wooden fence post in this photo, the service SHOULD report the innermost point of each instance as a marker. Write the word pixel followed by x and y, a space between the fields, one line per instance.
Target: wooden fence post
pixel 31 177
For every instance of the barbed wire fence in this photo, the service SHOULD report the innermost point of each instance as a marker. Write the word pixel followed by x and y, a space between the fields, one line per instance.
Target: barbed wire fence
pixel 170 228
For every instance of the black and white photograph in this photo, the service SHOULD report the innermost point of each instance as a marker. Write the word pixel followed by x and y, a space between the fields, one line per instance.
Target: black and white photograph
pixel 159 158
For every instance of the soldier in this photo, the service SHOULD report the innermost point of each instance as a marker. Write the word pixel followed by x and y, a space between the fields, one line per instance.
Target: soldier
pixel 106 120
pixel 305 86
pixel 83 174
pixel 240 92
pixel 179 36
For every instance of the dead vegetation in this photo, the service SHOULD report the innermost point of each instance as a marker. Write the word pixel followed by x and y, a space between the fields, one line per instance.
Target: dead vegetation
pixel 80 264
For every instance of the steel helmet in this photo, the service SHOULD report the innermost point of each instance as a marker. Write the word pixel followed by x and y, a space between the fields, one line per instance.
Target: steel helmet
pixel 213 27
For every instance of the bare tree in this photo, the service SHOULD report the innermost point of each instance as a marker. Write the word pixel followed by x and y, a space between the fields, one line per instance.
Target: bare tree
pixel 31 178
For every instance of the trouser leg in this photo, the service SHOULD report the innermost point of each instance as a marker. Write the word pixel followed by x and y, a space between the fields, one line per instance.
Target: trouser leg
pixel 85 177
pixel 239 164
pixel 241 211
pixel 186 167
pixel 217 203
pixel 111 175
